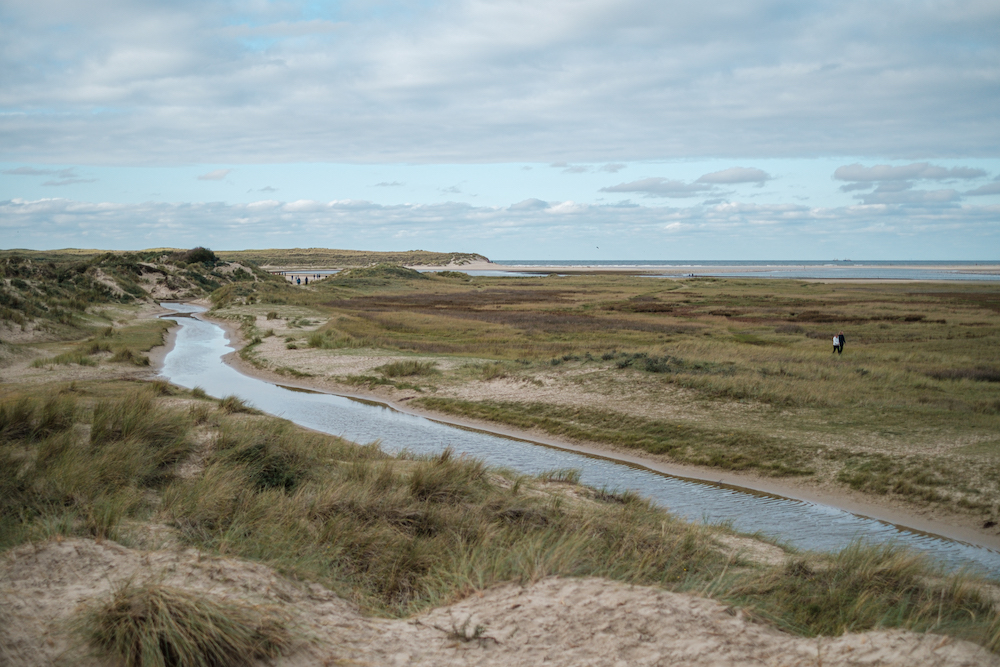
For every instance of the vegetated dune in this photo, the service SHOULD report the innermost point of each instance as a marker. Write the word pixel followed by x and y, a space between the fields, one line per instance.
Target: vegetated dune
pixel 554 621
pixel 332 258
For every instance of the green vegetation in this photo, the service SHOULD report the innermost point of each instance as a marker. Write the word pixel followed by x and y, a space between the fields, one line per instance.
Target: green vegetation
pixel 730 450
pixel 915 390
pixel 331 259
pixel 160 626
pixel 117 345
pixel 408 368
pixel 394 534
pixel 65 293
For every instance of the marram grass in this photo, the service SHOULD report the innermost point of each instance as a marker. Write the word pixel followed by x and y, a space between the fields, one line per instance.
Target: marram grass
pixel 159 626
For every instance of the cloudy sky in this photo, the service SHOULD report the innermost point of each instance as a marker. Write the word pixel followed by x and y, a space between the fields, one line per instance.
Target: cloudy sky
pixel 536 129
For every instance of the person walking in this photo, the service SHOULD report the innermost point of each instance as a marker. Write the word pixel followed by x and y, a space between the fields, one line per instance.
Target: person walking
pixel 841 340
pixel 836 343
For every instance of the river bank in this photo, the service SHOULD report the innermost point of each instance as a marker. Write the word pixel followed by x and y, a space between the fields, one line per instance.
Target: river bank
pixel 953 526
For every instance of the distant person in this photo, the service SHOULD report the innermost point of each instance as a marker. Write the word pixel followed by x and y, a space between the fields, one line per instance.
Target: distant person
pixel 841 340
pixel 836 343
pixel 307 280
pixel 298 281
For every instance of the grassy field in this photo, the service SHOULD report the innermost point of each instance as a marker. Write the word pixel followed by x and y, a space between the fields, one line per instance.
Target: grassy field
pixel 395 534
pixel 328 258
pixel 732 373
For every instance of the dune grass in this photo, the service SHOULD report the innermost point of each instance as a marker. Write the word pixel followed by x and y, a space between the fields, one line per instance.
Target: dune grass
pixel 398 534
pixel 159 626
pixel 55 476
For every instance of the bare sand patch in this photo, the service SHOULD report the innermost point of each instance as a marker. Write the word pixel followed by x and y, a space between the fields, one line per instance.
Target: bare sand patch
pixel 555 621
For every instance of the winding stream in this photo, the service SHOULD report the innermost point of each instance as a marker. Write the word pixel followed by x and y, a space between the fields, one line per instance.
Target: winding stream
pixel 196 361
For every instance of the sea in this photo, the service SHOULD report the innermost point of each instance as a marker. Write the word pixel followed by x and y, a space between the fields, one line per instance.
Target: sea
pixel 789 269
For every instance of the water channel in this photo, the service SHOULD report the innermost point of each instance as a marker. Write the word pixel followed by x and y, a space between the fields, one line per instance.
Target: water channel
pixel 196 361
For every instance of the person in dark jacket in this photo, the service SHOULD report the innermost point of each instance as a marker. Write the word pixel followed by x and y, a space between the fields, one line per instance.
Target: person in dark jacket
pixel 841 340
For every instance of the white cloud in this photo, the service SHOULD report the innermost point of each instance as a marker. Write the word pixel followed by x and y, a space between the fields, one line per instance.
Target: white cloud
pixel 661 187
pixel 915 171
pixel 304 206
pixel 736 175
pixel 217 175
pixel 588 81
pixel 528 205
pixel 748 230
pixel 988 189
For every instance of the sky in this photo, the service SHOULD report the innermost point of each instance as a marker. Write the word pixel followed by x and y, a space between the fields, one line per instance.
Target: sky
pixel 541 129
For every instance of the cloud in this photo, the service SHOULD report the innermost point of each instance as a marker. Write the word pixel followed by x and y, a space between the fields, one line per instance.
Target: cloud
pixel 915 171
pixel 904 195
pixel 528 205
pixel 612 168
pixel 452 190
pixel 571 168
pixel 387 184
pixel 736 175
pixel 590 82
pixel 741 229
pixel 988 189
pixel 31 171
pixel 661 187
pixel 266 188
pixel 304 206
pixel 63 176
pixel 69 181
pixel 216 175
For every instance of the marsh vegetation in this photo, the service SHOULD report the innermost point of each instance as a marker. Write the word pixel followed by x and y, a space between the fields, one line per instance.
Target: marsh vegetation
pixel 730 373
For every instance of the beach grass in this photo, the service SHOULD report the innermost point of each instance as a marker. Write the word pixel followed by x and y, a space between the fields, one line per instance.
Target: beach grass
pixel 397 534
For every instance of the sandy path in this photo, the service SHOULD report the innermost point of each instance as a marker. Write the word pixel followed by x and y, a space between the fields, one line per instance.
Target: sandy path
pixel 555 622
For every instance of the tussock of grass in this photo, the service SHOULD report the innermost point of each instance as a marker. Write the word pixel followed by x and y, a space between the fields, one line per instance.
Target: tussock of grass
pixel 408 368
pixel 130 356
pixel 160 626
pixel 233 404
pixel 53 477
pixel 31 418
pixel 80 358
pixel 864 587
pixel 568 475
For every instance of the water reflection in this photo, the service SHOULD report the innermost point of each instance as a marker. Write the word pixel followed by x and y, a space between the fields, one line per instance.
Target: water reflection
pixel 196 361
